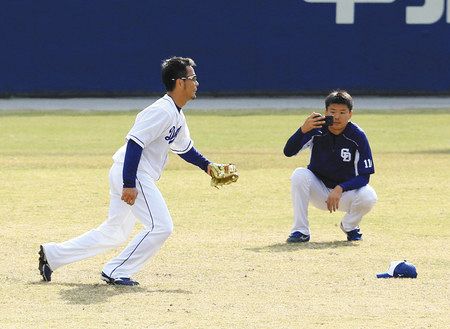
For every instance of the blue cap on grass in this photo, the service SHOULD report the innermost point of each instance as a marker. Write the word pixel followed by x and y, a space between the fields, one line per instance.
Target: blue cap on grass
pixel 399 269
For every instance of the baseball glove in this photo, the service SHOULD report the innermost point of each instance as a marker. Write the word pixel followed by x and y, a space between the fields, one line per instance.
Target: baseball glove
pixel 223 174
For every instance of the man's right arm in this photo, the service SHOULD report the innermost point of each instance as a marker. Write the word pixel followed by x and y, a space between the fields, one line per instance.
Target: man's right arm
pixel 301 136
pixel 294 143
pixel 130 165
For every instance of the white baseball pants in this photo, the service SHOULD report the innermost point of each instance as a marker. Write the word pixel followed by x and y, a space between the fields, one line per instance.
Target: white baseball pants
pixel 150 208
pixel 307 188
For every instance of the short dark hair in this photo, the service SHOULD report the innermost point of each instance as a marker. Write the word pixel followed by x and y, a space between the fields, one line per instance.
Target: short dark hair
pixel 339 97
pixel 174 68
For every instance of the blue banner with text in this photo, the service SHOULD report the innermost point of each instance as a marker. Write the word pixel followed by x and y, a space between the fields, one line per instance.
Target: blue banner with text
pixel 113 48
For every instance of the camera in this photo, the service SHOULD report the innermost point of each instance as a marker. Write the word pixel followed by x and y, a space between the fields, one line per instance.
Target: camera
pixel 328 120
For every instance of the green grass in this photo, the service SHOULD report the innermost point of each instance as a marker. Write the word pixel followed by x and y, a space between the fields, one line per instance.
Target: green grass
pixel 226 264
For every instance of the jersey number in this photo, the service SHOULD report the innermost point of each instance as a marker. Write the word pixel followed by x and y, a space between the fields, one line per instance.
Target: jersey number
pixel 346 155
pixel 368 163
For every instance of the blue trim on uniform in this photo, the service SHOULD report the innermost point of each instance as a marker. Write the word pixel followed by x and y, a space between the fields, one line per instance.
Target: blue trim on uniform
pixel 196 158
pixel 130 254
pixel 181 151
pixel 131 163
pixel 137 139
pixel 153 226
pixel 148 207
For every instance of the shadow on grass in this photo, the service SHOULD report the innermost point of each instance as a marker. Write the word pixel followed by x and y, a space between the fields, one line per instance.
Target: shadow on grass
pixel 86 294
pixel 286 247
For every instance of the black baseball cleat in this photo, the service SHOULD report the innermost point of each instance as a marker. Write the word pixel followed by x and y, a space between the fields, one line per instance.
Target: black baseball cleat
pixel 118 281
pixel 297 237
pixel 106 278
pixel 44 268
pixel 353 235
pixel 125 282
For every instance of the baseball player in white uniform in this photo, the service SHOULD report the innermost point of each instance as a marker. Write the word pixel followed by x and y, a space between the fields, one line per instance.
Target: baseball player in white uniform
pixel 134 195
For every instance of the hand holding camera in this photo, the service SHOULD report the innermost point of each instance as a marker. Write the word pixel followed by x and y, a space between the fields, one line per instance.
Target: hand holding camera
pixel 315 121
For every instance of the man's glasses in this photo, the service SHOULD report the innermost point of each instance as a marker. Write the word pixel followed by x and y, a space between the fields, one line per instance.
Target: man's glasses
pixel 191 77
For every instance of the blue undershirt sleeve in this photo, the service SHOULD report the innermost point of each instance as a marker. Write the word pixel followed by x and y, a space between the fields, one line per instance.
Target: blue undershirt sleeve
pixel 196 158
pixel 131 163
pixel 294 144
pixel 355 183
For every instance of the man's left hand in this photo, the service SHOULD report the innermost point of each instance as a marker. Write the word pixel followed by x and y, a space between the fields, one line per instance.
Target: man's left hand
pixel 333 198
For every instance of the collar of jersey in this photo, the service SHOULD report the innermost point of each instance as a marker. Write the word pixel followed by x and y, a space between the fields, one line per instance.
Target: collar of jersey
pixel 347 129
pixel 166 96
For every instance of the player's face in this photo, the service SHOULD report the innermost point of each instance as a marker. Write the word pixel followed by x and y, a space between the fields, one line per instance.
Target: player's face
pixel 190 83
pixel 341 115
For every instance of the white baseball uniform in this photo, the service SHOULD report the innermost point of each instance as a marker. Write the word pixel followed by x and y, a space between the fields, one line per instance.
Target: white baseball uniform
pixel 158 128
pixel 307 188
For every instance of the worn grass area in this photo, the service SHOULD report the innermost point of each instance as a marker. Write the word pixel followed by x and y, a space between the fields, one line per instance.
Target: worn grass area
pixel 227 265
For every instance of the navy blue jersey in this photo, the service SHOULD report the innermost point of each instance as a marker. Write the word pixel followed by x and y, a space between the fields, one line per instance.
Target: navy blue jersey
pixel 344 159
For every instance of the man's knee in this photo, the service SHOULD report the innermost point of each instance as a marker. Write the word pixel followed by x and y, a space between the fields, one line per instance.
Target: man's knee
pixel 300 177
pixel 163 229
pixel 114 234
pixel 367 197
pixel 168 230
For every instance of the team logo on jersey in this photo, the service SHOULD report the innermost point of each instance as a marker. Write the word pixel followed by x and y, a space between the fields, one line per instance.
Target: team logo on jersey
pixel 346 155
pixel 173 132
